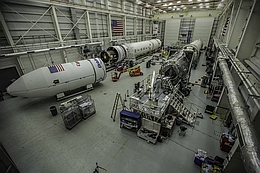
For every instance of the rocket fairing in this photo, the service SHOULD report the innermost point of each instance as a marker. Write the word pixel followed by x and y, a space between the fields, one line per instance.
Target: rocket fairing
pixel 118 53
pixel 52 80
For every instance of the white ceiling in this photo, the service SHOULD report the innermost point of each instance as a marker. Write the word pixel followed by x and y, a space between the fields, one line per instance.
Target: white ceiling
pixel 170 6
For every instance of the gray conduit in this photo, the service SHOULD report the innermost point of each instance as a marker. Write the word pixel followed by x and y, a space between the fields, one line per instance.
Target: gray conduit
pixel 248 140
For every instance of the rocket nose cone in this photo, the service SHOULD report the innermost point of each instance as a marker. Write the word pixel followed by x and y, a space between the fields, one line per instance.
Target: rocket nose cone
pixel 17 88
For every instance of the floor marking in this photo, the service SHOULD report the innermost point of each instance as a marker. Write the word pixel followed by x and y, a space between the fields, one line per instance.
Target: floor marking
pixel 206 134
pixel 182 146
pixel 117 153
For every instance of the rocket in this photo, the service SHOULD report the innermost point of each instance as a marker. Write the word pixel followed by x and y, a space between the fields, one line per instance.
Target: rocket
pixel 118 53
pixel 178 66
pixel 59 78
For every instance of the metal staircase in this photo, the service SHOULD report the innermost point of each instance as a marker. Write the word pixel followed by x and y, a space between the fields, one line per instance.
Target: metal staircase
pixel 187 112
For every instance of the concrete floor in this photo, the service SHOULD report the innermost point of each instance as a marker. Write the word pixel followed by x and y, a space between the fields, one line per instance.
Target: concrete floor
pixel 39 142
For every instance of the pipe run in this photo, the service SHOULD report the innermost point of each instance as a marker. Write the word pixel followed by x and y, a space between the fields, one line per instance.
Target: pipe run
pixel 249 144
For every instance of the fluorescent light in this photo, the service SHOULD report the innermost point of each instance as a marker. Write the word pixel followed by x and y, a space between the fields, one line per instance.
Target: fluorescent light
pixel 178 2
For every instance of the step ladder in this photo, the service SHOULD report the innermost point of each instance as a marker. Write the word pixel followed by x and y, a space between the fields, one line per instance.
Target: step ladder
pixel 115 106
pixel 188 117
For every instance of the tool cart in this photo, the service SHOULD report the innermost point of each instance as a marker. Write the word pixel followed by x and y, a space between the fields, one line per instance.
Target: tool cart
pixel 130 120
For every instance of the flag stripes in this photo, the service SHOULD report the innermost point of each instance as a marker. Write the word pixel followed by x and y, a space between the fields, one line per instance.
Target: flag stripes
pixel 117 26
pixel 56 68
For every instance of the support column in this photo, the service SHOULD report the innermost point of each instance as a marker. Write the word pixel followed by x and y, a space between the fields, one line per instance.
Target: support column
pixel 124 26
pixel 10 40
pixel 135 29
pixel 109 26
pixel 97 26
pixel 87 21
pixel 57 30
pixel 123 5
pixel 74 20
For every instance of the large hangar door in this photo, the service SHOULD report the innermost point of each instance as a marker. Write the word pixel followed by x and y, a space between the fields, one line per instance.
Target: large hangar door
pixel 202 29
pixel 171 31
pixel 6 75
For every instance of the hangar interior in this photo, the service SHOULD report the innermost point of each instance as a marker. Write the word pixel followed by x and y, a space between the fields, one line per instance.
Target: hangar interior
pixel 193 64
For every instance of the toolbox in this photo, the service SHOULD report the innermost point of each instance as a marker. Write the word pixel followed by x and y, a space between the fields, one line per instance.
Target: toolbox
pixel 130 120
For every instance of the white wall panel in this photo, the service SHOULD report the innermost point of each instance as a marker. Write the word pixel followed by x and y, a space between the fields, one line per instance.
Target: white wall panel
pixel 171 31
pixel 202 29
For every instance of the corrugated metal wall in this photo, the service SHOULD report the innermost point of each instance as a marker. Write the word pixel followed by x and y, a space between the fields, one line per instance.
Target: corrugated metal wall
pixel 32 26
pixel 202 29
pixel 171 31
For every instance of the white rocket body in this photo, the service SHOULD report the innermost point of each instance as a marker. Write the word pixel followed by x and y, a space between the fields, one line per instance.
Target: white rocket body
pixel 130 51
pixel 49 81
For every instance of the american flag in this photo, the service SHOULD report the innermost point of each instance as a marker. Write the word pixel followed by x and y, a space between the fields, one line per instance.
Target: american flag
pixel 56 68
pixel 117 26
